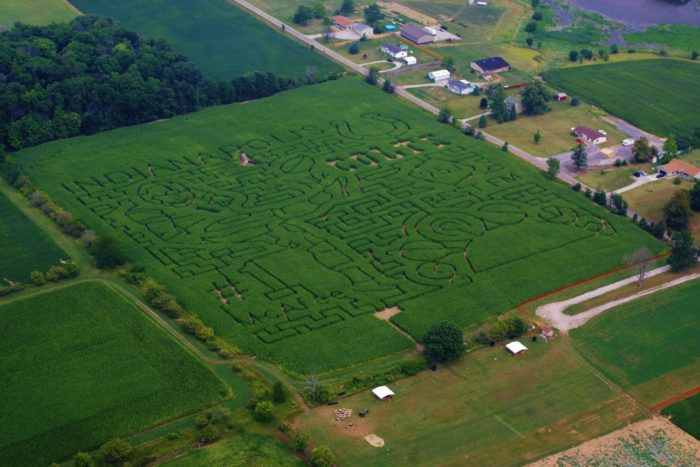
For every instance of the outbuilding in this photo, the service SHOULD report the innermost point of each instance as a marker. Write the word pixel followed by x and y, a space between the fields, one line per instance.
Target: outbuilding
pixel 560 96
pixel 362 30
pixel 383 393
pixel 461 87
pixel 410 60
pixel 490 65
pixel 417 35
pixel 516 348
pixel 341 22
pixel 438 75
pixel 394 50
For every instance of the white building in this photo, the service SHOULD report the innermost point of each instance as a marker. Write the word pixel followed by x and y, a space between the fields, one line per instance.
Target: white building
pixel 516 348
pixel 383 392
pixel 438 75
pixel 461 87
pixel 410 60
pixel 361 29
pixel 394 50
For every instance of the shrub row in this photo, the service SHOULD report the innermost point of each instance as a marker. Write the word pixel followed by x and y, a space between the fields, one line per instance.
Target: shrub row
pixel 64 270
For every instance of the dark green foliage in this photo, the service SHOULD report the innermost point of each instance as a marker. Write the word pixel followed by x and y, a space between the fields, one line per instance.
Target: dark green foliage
pixel 92 75
pixel 483 122
pixel 115 450
pixel 208 434
pixel 443 342
pixel 642 150
pixel 387 86
pixel 264 411
pixel 347 7
pixel 444 116
pixel 529 41
pixel 531 27
pixel 599 197
pixel 372 76
pixel 83 459
pixel 695 197
pixel 580 157
pixel 354 48
pixel 504 147
pixel 373 14
pixel 497 104
pixel 618 205
pixel 573 55
pixel 576 187
pixel 614 49
pixel 302 15
pixel 538 16
pixel 686 414
pixel 510 327
pixel 322 456
pixel 534 99
pixel 677 211
pixel 553 168
pixel 683 254
pixel 279 393
pixel 300 443
pixel 107 254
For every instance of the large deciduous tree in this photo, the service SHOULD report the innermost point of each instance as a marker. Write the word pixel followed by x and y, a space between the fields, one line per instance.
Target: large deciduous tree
pixel 443 342
pixel 579 157
pixel 677 211
pixel 683 254
pixel 534 100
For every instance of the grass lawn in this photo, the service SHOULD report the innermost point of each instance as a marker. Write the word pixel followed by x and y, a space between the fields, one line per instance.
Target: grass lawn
pixel 36 12
pixel 284 11
pixel 222 39
pixel 358 203
pixel 537 404
pixel 369 51
pixel 461 106
pixel 83 365
pixel 686 414
pixel 249 449
pixel 681 37
pixel 23 246
pixel 648 346
pixel 555 128
pixel 648 201
pixel 693 157
pixel 666 85
pixel 612 178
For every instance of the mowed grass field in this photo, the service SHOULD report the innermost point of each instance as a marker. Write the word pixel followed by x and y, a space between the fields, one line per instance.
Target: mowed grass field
pixel 487 409
pixel 660 96
pixel 357 203
pixel 648 346
pixel 36 12
pixel 248 449
pixel 222 39
pixel 23 246
pixel 81 365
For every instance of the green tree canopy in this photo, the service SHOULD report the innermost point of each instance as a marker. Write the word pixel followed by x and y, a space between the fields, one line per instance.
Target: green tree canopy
pixel 373 14
pixel 347 7
pixel 580 157
pixel 497 104
pixel 322 456
pixel 683 254
pixel 443 342
pixel 677 211
pixel 535 100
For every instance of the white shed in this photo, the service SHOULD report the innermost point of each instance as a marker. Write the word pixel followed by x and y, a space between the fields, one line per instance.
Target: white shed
pixel 438 75
pixel 516 348
pixel 383 392
pixel 410 60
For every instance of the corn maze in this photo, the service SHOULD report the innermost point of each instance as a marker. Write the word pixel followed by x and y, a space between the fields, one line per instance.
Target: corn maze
pixel 337 219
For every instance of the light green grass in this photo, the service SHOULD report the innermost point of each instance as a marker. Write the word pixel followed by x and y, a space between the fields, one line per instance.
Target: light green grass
pixel 23 246
pixel 636 343
pixel 82 365
pixel 460 106
pixel 38 12
pixel 223 40
pixel 487 409
pixel 613 178
pixel 654 95
pixel 249 449
pixel 555 128
pixel 676 36
pixel 686 414
pixel 349 211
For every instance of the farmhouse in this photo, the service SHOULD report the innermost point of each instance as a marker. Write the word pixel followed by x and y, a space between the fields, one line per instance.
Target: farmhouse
pixel 560 96
pixel 383 393
pixel 410 60
pixel 341 22
pixel 438 75
pixel 514 103
pixel 490 65
pixel 461 87
pixel 516 348
pixel 394 50
pixel 681 169
pixel 417 35
pixel 590 135
pixel 361 29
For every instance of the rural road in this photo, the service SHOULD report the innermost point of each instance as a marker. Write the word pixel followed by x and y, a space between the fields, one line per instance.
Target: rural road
pixel 554 312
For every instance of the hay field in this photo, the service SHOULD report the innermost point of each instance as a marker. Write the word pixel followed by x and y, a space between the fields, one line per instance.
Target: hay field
pixel 37 12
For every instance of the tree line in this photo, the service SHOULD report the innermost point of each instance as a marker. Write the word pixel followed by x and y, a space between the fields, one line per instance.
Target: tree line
pixel 92 75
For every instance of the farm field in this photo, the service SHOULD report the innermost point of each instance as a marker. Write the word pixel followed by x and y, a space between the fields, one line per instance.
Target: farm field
pixel 686 414
pixel 24 247
pixel 83 365
pixel 36 12
pixel 648 201
pixel 468 412
pixel 659 89
pixel 220 38
pixel 348 211
pixel 648 346
pixel 555 128
pixel 249 449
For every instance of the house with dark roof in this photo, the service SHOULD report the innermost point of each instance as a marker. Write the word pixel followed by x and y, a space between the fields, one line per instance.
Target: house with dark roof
pixel 460 87
pixel 490 65
pixel 394 50
pixel 590 135
pixel 361 29
pixel 417 35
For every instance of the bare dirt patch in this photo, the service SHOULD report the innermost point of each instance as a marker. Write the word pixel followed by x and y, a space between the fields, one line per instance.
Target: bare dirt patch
pixel 657 436
pixel 410 12
pixel 355 427
pixel 374 440
pixel 387 313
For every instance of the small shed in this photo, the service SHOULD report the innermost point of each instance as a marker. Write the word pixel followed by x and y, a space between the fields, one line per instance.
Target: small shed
pixel 410 60
pixel 547 332
pixel 516 348
pixel 560 96
pixel 383 393
pixel 438 75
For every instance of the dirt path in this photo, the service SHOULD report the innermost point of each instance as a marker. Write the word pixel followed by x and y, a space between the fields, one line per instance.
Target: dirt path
pixel 386 314
pixel 554 312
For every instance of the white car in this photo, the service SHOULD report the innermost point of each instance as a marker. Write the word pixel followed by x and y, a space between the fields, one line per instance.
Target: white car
pixel 627 142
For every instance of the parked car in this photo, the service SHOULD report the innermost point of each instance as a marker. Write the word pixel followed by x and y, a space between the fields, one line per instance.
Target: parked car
pixel 640 173
pixel 660 175
pixel 627 142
